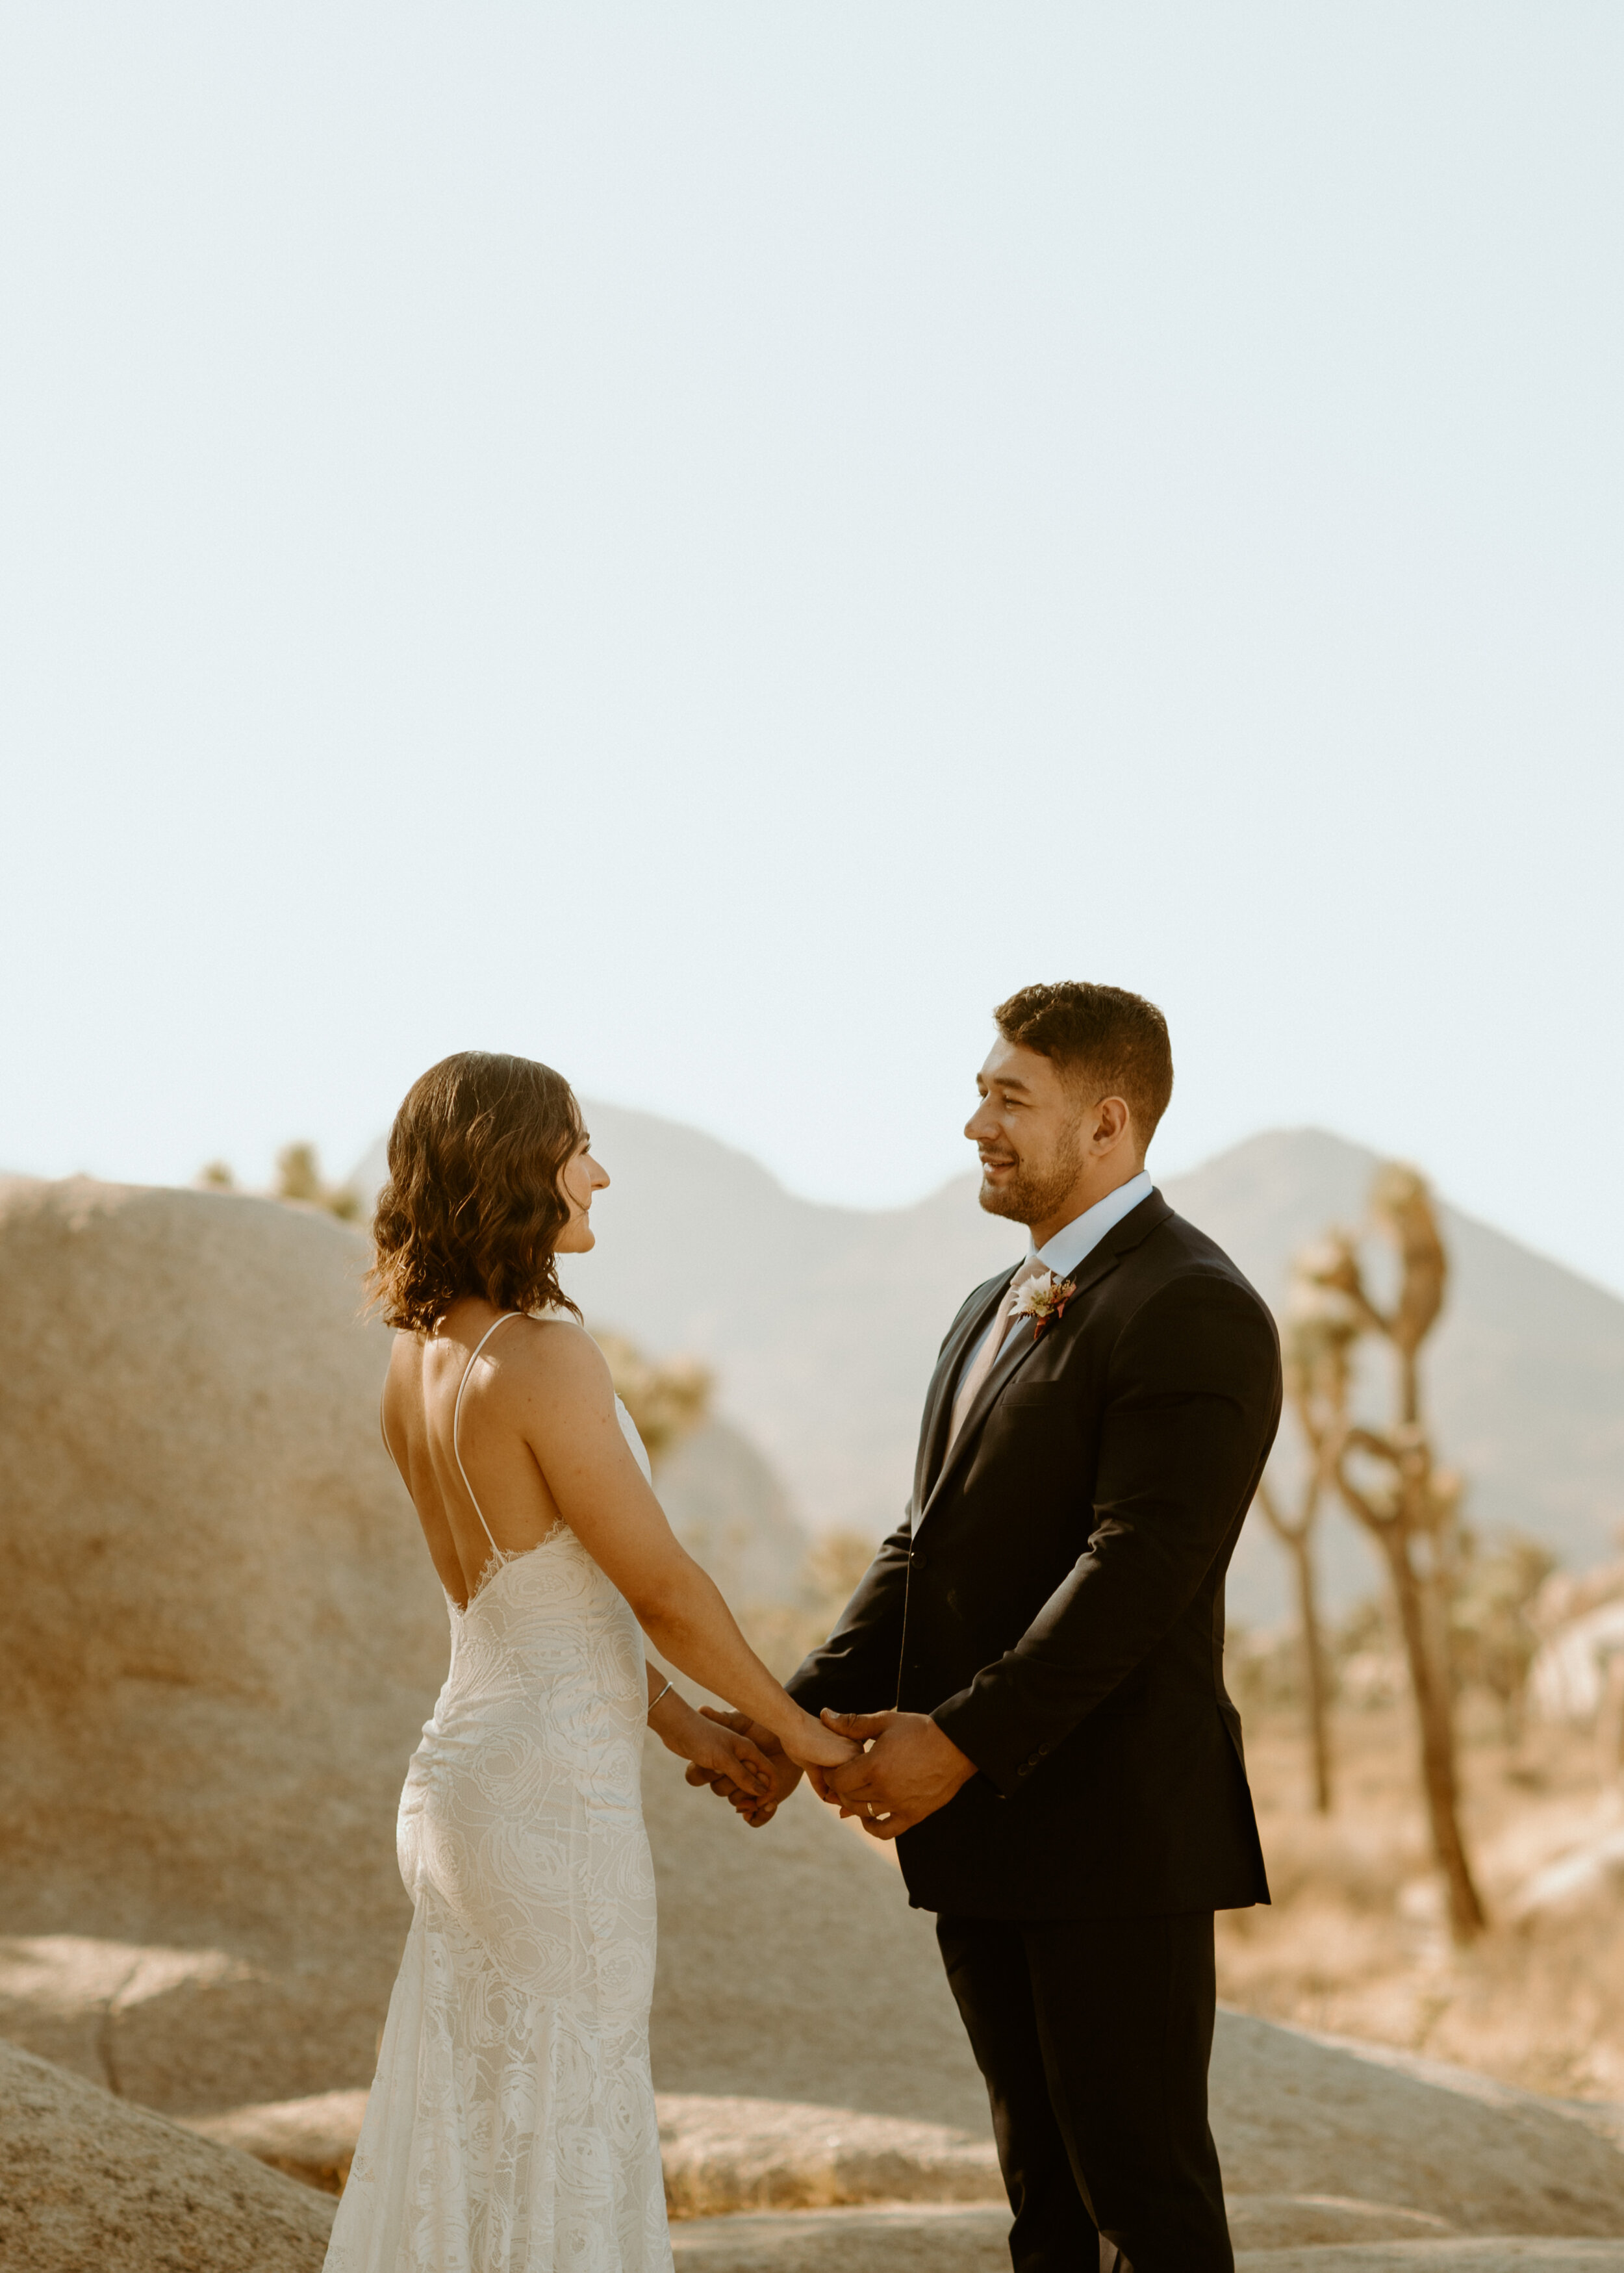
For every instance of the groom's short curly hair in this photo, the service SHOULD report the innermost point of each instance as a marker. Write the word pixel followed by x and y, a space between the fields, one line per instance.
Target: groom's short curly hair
pixel 1105 1040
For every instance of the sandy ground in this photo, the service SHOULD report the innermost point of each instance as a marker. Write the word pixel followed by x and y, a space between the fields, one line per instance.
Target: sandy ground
pixel 1356 1942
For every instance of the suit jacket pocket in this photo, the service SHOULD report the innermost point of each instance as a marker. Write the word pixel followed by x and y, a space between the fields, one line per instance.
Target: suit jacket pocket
pixel 1037 1393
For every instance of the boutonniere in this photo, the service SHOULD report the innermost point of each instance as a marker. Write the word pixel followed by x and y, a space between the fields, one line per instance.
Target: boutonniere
pixel 1043 1300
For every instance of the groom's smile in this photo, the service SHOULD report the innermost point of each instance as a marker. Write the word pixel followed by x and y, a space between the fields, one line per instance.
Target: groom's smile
pixel 1020 1092
pixel 1047 1149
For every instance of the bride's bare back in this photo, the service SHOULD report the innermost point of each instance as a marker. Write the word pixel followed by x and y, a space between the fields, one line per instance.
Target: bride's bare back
pixel 505 1426
pixel 453 1430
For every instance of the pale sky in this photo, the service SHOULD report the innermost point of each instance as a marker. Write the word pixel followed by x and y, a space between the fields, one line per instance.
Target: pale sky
pixel 707 543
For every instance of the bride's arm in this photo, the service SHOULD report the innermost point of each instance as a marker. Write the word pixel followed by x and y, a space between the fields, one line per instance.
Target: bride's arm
pixel 564 1406
pixel 716 1752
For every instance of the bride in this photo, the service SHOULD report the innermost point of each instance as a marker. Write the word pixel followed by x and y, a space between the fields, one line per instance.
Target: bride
pixel 511 2125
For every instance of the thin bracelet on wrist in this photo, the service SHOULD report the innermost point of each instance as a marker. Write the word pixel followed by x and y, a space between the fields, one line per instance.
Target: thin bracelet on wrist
pixel 656 1700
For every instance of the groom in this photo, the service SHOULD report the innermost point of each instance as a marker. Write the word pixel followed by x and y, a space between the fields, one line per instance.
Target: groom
pixel 1060 1762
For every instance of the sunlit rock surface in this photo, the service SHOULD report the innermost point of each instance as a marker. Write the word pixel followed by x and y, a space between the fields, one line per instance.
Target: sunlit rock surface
pixel 87 2181
pixel 219 1638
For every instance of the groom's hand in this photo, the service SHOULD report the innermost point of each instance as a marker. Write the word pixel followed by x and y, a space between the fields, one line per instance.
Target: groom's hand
pixel 755 1807
pixel 909 1769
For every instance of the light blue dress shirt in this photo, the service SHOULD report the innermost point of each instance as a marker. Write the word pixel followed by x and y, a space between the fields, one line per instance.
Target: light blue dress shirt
pixel 1072 1245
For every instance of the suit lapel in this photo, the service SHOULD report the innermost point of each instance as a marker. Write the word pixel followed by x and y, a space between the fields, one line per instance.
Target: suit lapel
pixel 949 1366
pixel 1016 1352
pixel 1150 1211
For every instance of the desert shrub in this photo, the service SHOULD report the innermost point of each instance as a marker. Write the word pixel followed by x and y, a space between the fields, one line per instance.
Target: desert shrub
pixel 1492 1636
pixel 299 1178
pixel 667 1398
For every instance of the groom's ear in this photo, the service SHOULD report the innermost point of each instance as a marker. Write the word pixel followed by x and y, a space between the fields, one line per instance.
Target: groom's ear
pixel 1113 1125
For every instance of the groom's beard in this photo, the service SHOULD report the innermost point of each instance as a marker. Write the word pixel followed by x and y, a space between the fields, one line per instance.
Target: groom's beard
pixel 1033 1193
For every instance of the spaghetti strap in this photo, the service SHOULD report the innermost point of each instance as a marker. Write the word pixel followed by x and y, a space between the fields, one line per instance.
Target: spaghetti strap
pixel 456 1419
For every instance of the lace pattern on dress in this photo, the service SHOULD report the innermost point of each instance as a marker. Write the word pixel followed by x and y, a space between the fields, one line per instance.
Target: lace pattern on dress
pixel 498 1559
pixel 511 2125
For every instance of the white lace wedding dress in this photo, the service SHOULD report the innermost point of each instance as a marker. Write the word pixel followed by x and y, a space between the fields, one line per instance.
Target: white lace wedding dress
pixel 510 2126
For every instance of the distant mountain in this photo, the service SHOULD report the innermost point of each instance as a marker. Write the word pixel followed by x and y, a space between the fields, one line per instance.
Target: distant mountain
pixel 822 1324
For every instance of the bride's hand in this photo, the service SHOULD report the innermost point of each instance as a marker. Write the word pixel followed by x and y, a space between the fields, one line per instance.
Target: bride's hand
pixel 811 1746
pixel 716 1752
pixel 755 1810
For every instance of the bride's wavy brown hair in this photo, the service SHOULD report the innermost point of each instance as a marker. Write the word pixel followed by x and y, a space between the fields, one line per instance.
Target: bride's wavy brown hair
pixel 472 1204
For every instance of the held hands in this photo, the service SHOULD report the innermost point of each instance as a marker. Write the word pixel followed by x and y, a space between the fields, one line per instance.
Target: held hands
pixel 810 1745
pixel 909 1768
pixel 819 1744
pixel 755 1808
pixel 906 1769
pixel 721 1752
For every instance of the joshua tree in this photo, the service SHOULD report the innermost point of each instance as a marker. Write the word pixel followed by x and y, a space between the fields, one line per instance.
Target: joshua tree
pixel 1388 1480
pixel 1315 1345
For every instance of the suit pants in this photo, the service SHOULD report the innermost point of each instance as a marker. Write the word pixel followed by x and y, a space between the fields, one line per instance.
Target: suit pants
pixel 1093 2035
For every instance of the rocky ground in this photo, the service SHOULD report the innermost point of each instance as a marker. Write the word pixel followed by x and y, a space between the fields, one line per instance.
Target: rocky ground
pixel 87 2180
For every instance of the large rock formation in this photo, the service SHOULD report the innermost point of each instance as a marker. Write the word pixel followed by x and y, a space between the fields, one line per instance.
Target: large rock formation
pixel 219 1636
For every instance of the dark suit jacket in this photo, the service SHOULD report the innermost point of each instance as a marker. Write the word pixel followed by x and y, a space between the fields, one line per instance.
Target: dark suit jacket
pixel 1055 1596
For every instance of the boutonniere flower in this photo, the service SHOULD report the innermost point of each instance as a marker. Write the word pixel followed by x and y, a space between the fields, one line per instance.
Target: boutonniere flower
pixel 1043 1300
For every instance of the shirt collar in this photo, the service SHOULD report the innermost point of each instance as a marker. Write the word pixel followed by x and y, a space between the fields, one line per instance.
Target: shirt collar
pixel 1077 1240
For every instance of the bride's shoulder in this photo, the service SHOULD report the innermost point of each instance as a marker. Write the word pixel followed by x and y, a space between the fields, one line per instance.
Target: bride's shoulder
pixel 551 1351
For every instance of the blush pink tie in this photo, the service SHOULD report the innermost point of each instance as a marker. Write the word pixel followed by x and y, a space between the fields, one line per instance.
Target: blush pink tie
pixel 991 1348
